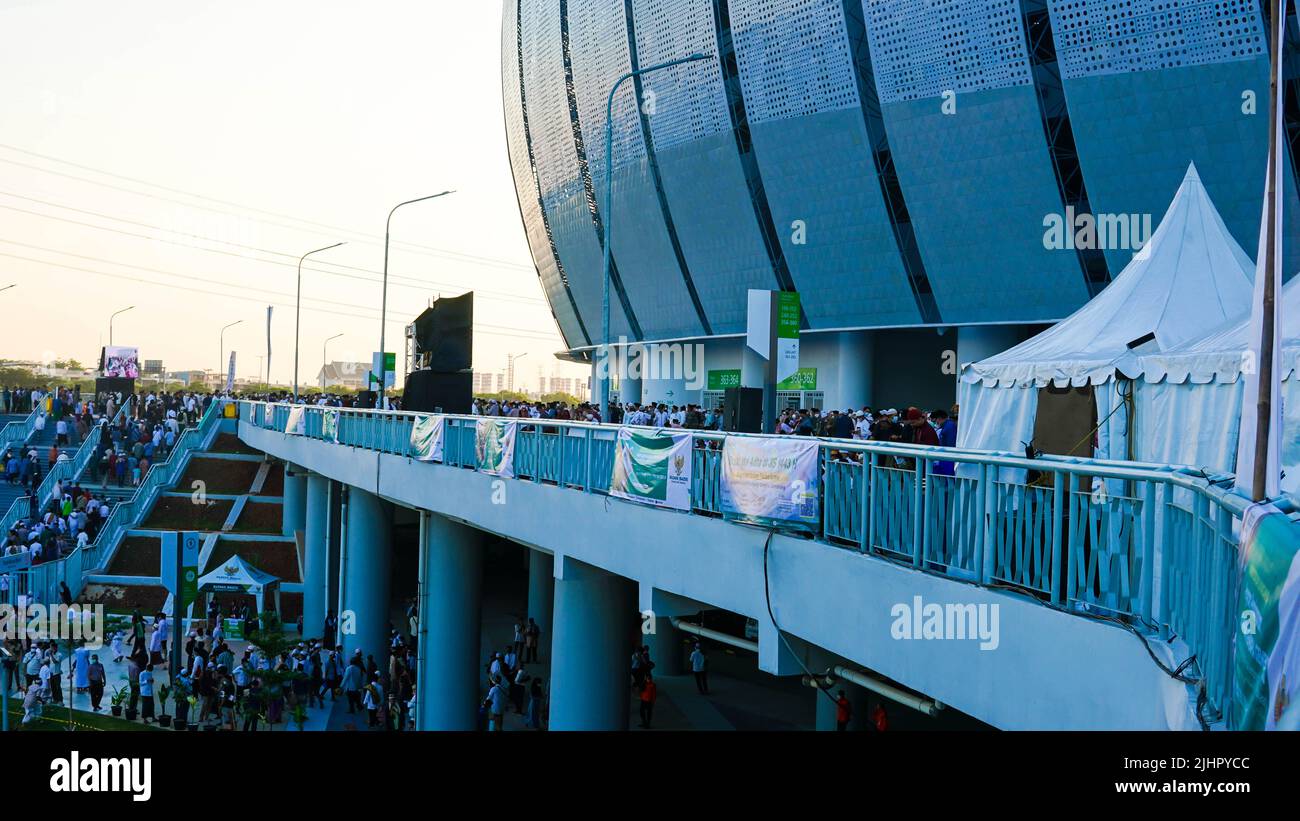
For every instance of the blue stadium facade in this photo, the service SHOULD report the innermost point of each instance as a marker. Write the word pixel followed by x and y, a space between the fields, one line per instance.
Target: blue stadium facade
pixel 891 160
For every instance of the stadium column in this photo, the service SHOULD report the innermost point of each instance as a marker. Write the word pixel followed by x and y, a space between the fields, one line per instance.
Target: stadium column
pixel 592 647
pixel 541 597
pixel 366 567
pixel 295 499
pixel 450 606
pixel 976 342
pixel 316 556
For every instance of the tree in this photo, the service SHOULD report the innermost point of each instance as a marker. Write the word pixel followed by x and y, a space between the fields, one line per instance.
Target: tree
pixel 270 638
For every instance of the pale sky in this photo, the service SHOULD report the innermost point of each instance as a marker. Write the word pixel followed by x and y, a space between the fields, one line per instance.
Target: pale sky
pixel 329 111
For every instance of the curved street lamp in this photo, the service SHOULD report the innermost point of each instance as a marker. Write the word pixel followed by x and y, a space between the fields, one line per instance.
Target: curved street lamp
pixel 110 323
pixel 297 314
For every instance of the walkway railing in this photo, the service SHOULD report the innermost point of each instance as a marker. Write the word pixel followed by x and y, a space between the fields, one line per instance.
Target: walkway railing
pixel 44 578
pixel 1086 536
pixel 16 433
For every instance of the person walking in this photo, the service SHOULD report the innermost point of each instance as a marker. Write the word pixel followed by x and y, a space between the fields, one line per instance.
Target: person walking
pixel 496 704
pixel 699 667
pixel 843 712
pixel 354 678
pixel 98 678
pixel 649 694
pixel 146 693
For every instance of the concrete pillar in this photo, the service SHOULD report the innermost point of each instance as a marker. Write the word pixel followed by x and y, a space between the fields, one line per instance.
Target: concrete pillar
pixel 849 384
pixel 295 499
pixel 541 597
pixel 629 389
pixel 367 567
pixel 316 582
pixel 594 613
pixel 666 647
pixel 451 585
pixel 976 342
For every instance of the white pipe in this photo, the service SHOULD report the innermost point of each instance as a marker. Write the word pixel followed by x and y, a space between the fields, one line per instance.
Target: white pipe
pixel 725 638
pixel 919 703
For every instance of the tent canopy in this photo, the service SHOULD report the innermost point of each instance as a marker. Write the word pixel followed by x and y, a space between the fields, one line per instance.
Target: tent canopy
pixel 235 575
pixel 1220 355
pixel 1190 275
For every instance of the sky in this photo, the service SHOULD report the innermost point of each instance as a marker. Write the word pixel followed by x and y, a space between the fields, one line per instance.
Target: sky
pixel 180 157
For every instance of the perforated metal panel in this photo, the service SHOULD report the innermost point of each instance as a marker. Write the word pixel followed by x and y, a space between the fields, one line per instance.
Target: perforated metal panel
pixel 525 180
pixel 599 54
pixel 921 48
pixel 1117 36
pixel 548 106
pixel 793 57
pixel 689 100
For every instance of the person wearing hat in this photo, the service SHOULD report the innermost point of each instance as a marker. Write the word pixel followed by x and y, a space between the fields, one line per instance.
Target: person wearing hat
pixel 922 432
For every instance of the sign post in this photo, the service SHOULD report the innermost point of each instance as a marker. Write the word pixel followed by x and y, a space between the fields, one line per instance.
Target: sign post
pixel 771 346
pixel 180 574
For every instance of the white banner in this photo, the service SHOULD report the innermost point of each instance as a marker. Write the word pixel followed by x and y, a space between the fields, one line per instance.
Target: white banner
pixel 297 424
pixel 426 438
pixel 330 425
pixel 268 416
pixel 653 468
pixel 770 482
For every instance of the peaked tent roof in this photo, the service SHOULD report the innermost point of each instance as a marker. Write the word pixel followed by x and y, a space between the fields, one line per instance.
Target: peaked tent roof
pixel 1219 356
pixel 236 572
pixel 1190 275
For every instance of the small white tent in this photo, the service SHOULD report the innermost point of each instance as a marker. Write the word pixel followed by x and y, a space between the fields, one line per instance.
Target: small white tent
pixel 236 575
pixel 1191 275
pixel 1189 399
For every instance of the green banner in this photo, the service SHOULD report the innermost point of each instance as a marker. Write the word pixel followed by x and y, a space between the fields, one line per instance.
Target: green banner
pixel 494 447
pixel 330 425
pixel 1266 663
pixel 787 315
pixel 721 380
pixel 804 379
pixel 191 545
pixel 771 482
pixel 426 438
pixel 653 468
pixel 233 629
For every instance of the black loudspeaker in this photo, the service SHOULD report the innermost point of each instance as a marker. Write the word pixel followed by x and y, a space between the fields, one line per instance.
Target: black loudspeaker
pixel 444 334
pixel 742 410
pixel 114 384
pixel 433 392
pixel 367 399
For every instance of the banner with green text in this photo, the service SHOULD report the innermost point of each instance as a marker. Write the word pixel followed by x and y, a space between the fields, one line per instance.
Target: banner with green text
pixel 770 482
pixel 494 447
pixel 1266 675
pixel 426 438
pixel 653 468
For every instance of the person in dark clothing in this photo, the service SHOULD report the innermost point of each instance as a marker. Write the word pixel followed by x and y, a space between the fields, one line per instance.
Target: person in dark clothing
pixel 922 432
pixel 842 425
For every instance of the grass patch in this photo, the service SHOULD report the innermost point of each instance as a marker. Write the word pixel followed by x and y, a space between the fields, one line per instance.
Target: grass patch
pixel 54 718
pixel 180 513
pixel 280 559
pixel 137 556
pixel 261 518
pixel 220 475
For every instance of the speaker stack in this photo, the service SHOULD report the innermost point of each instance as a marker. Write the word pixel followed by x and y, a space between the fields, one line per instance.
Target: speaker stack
pixel 444 346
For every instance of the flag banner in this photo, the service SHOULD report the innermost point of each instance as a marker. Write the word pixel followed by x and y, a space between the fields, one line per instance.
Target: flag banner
pixel 494 447
pixel 653 468
pixel 330 425
pixel 297 424
pixel 230 374
pixel 1266 658
pixel 268 416
pixel 426 438
pixel 771 482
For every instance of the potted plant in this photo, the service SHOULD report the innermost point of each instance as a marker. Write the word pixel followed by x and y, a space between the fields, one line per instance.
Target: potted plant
pixel 133 694
pixel 192 701
pixel 299 715
pixel 182 698
pixel 119 696
pixel 164 720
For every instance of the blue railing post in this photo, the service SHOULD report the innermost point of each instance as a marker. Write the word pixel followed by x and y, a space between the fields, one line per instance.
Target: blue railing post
pixel 864 520
pixel 1148 550
pixel 980 503
pixel 1058 536
pixel 1166 560
pixel 918 514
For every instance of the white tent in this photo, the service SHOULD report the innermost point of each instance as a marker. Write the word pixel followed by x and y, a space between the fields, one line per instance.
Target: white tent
pixel 1189 276
pixel 235 575
pixel 1199 384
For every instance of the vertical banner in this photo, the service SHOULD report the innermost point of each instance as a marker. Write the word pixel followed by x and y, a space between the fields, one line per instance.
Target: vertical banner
pixel 180 567
pixel 268 416
pixel 230 373
pixel 653 468
pixel 330 425
pixel 771 482
pixel 787 334
pixel 494 447
pixel 297 424
pixel 269 309
pixel 1266 658
pixel 426 438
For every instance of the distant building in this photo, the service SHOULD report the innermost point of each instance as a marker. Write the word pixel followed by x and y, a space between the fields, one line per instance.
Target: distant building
pixel 488 382
pixel 349 375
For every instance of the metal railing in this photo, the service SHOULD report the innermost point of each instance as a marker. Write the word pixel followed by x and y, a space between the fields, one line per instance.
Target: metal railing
pixel 1082 535
pixel 44 578
pixel 18 432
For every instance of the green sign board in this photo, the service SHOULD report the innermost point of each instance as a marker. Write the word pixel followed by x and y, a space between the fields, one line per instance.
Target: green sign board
pixel 787 315
pixel 721 380
pixel 233 629
pixel 191 544
pixel 804 379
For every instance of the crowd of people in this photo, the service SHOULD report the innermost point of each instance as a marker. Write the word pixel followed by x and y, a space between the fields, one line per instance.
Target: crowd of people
pixel 510 686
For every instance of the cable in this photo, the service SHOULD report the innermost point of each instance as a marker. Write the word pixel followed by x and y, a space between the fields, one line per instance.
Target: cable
pixel 397 279
pixel 767 596
pixel 371 239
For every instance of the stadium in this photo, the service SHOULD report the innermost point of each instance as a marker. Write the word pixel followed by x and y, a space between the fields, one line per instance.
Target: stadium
pixel 907 166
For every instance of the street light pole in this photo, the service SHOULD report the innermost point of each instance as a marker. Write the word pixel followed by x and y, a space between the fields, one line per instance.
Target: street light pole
pixel 608 217
pixel 221 351
pixel 513 359
pixel 324 359
pixel 110 323
pixel 7 287
pixel 383 308
pixel 297 314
